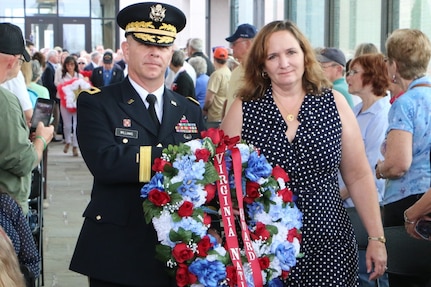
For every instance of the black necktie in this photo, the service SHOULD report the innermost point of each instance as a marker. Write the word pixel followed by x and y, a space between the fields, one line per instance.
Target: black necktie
pixel 151 99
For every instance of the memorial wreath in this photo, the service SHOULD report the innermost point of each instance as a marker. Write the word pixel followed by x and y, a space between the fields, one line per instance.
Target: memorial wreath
pixel 189 178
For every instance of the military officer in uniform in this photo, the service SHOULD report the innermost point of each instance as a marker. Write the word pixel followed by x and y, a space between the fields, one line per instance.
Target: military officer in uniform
pixel 120 132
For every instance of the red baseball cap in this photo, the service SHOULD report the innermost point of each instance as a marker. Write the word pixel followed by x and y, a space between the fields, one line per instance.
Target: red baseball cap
pixel 221 53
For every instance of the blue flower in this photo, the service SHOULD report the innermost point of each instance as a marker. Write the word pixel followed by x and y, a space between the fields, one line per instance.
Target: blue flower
pixel 253 209
pixel 276 282
pixel 208 273
pixel 189 189
pixel 258 167
pixel 285 252
pixel 188 166
pixel 188 223
pixel 155 182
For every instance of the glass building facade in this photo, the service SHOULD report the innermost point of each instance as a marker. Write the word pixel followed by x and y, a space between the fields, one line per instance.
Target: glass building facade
pixel 84 24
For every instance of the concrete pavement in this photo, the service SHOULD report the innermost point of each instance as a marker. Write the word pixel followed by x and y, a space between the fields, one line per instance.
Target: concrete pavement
pixel 68 192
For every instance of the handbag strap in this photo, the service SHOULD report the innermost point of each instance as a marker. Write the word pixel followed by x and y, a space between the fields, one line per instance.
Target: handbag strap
pixel 421 85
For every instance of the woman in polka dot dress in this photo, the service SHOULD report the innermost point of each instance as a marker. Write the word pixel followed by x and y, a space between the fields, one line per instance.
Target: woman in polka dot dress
pixel 286 109
pixel 16 226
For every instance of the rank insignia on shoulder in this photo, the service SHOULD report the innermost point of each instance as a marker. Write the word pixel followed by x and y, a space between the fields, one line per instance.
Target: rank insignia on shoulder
pixel 92 90
pixel 193 100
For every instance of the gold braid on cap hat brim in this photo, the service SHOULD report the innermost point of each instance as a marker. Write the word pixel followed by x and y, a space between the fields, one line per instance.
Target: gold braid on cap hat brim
pixel 146 31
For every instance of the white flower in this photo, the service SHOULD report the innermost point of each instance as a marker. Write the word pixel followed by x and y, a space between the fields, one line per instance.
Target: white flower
pixel 194 144
pixel 162 225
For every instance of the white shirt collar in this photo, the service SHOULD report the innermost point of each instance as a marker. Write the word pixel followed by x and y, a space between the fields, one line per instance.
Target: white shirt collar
pixel 143 95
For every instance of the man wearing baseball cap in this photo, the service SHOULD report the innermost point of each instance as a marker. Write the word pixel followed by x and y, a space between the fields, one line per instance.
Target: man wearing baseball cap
pixel 107 74
pixel 240 43
pixel 18 155
pixel 217 86
pixel 121 129
pixel 333 63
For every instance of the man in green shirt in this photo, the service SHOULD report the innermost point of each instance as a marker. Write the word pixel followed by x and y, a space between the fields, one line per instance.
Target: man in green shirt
pixel 18 155
pixel 333 64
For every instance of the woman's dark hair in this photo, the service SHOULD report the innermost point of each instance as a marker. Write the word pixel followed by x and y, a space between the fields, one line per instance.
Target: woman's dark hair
pixel 69 59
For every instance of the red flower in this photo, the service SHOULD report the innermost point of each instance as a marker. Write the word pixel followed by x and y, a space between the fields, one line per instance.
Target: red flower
pixel 211 191
pixel 231 275
pixel 158 198
pixel 174 87
pixel 207 219
pixel 202 154
pixel 214 134
pixel 284 274
pixel 251 192
pixel 279 172
pixel 204 245
pixel 184 277
pixel 286 194
pixel 159 164
pixel 260 232
pixel 186 209
pixel 182 252
pixel 264 262
pixel 293 233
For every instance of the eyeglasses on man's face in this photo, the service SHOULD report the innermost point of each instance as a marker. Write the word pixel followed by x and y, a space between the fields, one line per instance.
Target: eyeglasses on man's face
pixel 328 66
pixel 81 63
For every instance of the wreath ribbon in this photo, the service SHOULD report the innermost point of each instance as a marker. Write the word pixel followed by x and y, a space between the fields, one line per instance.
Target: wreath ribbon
pixel 229 220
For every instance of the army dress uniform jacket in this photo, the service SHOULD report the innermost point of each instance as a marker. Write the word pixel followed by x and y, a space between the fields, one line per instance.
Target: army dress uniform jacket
pixel 118 141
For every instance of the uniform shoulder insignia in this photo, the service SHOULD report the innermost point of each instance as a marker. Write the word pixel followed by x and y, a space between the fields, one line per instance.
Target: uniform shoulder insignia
pixel 92 90
pixel 193 100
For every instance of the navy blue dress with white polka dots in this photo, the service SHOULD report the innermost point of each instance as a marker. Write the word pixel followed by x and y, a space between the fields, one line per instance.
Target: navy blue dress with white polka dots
pixel 312 160
pixel 16 226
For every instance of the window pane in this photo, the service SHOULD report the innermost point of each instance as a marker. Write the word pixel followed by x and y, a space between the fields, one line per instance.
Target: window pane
pixel 74 37
pixel 42 35
pixel 274 10
pixel 103 8
pixel 103 33
pixel 73 8
pixel 41 8
pixel 310 20
pixel 359 22
pixel 415 14
pixel 12 9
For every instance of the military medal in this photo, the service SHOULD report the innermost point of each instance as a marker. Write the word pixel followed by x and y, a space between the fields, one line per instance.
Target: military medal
pixel 185 127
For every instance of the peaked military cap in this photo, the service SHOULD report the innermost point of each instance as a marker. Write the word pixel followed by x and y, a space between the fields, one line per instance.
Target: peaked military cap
pixel 152 23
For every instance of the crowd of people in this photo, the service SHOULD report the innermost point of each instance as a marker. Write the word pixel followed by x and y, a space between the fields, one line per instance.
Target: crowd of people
pixel 352 135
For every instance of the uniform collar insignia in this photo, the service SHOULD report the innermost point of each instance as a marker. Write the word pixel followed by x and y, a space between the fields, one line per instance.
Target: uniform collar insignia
pixel 174 103
pixel 130 101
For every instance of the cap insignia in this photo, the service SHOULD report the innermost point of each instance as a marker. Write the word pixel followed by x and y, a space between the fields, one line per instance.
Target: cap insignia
pixel 157 13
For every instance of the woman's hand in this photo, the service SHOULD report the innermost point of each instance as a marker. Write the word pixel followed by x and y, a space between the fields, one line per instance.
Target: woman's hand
pixel 376 259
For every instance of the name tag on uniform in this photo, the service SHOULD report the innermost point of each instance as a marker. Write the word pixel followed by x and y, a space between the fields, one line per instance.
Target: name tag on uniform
pixel 126 133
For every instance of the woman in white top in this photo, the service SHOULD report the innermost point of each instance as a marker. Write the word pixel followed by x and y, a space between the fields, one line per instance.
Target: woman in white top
pixel 69 73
